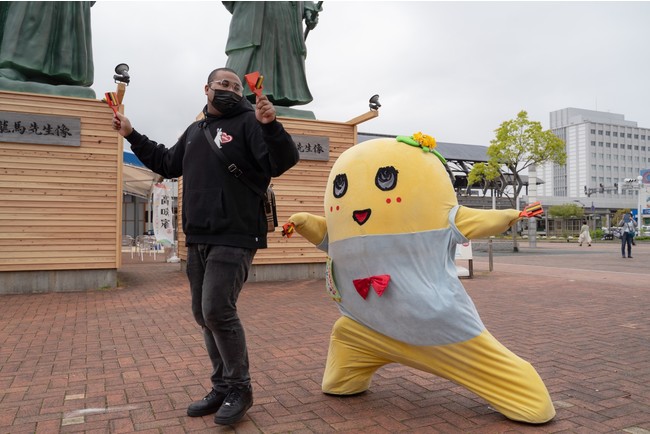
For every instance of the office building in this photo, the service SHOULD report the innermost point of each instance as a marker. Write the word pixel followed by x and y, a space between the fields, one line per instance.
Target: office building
pixel 603 149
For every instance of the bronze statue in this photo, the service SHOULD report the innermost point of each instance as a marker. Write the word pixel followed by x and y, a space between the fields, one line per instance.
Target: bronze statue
pixel 268 37
pixel 46 47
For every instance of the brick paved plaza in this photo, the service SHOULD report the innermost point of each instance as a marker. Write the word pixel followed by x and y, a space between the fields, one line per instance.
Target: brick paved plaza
pixel 131 359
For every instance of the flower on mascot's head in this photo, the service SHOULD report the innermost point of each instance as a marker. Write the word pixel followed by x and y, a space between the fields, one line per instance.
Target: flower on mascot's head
pixel 426 142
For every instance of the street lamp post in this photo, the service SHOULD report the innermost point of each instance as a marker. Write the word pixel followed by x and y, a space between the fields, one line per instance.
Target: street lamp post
pixel 532 197
pixel 637 184
pixel 639 220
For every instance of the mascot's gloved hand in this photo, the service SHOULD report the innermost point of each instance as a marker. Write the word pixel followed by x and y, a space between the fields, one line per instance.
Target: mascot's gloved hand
pixel 288 229
pixel 532 210
pixel 312 227
pixel 298 219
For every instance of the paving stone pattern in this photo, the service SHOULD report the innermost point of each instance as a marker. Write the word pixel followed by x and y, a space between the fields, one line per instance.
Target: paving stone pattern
pixel 131 359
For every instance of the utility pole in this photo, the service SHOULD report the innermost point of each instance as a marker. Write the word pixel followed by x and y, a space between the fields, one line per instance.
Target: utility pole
pixel 639 220
pixel 532 197
pixel 636 184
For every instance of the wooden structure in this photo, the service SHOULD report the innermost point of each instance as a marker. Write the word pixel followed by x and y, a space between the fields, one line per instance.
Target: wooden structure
pixel 60 219
pixel 301 188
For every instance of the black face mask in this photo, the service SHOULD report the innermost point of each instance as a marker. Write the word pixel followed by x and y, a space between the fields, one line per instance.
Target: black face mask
pixel 225 101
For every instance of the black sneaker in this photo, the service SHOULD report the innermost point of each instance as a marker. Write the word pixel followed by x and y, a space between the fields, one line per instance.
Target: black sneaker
pixel 235 406
pixel 208 405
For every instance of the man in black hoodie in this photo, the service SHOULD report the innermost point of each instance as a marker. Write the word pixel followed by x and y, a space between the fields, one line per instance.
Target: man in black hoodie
pixel 223 220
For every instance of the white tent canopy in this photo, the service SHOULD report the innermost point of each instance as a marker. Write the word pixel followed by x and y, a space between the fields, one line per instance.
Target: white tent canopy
pixel 137 180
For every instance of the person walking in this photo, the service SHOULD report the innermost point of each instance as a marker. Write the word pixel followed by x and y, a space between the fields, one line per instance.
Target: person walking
pixel 584 234
pixel 629 229
pixel 223 220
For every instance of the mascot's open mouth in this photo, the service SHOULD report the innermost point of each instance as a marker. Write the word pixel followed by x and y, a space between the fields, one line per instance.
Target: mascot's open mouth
pixel 361 216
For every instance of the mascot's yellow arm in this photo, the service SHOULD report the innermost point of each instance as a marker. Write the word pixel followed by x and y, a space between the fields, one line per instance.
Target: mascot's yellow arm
pixel 472 223
pixel 310 226
pixel 477 223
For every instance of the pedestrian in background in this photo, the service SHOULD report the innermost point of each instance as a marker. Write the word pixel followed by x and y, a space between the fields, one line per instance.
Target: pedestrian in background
pixel 584 237
pixel 629 229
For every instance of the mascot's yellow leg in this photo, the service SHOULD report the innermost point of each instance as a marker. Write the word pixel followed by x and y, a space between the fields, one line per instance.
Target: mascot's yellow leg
pixel 484 366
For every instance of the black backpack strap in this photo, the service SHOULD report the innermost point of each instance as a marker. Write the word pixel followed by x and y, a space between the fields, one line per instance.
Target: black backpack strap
pixel 230 166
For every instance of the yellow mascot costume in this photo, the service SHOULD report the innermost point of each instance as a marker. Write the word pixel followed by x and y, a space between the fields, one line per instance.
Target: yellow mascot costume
pixel 391 226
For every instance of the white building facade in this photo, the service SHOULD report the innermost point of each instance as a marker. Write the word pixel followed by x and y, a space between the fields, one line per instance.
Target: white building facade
pixel 602 150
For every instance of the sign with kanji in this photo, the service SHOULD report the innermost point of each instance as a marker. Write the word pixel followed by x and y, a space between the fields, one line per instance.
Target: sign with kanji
pixel 40 129
pixel 312 147
pixel 163 219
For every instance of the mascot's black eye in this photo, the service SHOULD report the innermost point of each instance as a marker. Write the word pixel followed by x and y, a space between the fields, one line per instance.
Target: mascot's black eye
pixel 340 185
pixel 386 178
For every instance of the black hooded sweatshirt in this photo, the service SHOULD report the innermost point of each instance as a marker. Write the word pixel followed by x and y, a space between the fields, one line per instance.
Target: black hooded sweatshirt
pixel 218 208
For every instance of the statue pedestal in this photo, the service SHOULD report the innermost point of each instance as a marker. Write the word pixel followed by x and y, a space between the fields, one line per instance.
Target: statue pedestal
pixel 47 89
pixel 61 194
pixel 288 112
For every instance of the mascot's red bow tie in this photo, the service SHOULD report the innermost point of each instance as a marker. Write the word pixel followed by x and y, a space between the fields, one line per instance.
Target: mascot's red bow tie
pixel 379 284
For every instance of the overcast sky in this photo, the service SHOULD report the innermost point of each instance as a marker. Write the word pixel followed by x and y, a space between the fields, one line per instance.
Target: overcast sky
pixel 454 70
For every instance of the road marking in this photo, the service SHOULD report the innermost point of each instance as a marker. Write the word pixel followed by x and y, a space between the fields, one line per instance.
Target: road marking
pixel 86 411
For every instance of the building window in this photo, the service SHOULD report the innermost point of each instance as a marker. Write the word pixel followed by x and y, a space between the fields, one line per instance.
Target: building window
pixel 629 147
pixel 636 136
pixel 615 145
pixel 608 145
pixel 607 133
pixel 593 167
pixel 642 137
pixel 636 147
pixel 593 155
pixel 615 134
pixel 629 135
pixel 643 148
pixel 600 144
pixel 600 132
pixel 593 143
pixel 593 131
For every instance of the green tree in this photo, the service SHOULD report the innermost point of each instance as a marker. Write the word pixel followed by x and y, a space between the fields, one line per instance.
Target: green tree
pixel 566 210
pixel 518 144
pixel 619 215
